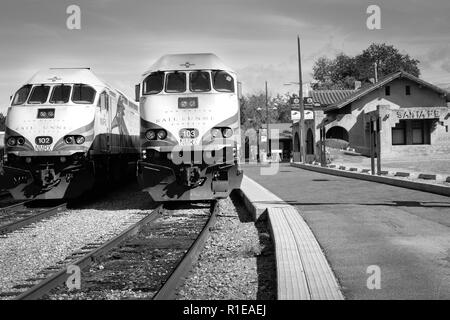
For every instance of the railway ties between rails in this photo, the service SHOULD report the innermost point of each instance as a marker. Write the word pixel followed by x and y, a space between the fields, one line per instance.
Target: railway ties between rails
pixel 52 279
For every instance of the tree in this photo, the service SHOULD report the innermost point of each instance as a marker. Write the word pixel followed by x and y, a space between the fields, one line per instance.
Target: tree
pixel 251 117
pixel 2 122
pixel 388 59
pixel 342 71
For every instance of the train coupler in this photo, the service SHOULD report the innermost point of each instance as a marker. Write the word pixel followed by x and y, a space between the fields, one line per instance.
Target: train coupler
pixel 49 179
pixel 220 183
pixel 192 177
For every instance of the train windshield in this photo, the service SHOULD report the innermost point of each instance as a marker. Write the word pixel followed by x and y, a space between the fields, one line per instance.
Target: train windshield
pixel 176 82
pixel 153 84
pixel 39 94
pixel 223 81
pixel 83 94
pixel 21 95
pixel 199 81
pixel 60 94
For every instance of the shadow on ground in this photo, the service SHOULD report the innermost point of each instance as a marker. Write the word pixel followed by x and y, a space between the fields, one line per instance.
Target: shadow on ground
pixel 265 260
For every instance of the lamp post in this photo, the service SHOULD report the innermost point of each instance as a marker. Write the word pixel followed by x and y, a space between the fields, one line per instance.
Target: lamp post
pixel 267 119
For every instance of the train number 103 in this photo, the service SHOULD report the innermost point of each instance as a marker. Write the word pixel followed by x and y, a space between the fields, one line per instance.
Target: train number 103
pixel 189 133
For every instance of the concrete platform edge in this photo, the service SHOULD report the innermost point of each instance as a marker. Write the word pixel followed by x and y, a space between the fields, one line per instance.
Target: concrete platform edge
pixel 298 277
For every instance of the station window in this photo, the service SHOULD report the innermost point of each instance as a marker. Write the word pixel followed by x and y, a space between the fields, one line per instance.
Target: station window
pixel 199 81
pixel 21 95
pixel 399 133
pixel 387 90
pixel 418 131
pixel 83 94
pixel 153 84
pixel 60 94
pixel 409 132
pixel 39 94
pixel 408 90
pixel 223 81
pixel 176 82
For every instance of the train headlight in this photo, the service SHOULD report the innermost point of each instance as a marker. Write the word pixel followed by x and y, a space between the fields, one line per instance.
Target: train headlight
pixel 79 140
pixel 11 141
pixel 162 134
pixel 69 139
pixel 150 135
pixel 28 159
pixel 20 141
pixel 227 132
pixel 62 159
pixel 215 132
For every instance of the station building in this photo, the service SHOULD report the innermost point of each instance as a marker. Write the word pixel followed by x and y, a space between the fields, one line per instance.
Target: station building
pixel 257 144
pixel 413 117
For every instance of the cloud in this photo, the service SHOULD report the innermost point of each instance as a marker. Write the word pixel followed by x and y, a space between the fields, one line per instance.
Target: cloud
pixel 120 39
pixel 446 66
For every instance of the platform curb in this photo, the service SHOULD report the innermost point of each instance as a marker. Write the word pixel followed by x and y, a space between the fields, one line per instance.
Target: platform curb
pixel 416 185
pixel 303 272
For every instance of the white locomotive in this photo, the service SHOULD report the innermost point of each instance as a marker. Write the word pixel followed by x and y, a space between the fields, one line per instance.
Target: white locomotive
pixel 190 128
pixel 66 129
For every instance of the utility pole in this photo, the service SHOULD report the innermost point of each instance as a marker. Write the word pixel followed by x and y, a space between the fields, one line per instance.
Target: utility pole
pixel 376 71
pixel 267 120
pixel 302 108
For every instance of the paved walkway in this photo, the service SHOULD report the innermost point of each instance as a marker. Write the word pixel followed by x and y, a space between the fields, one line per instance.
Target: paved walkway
pixel 429 165
pixel 361 224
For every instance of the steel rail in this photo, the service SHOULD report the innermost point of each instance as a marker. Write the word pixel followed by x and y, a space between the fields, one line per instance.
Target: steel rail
pixel 23 203
pixel 42 288
pixel 167 291
pixel 30 219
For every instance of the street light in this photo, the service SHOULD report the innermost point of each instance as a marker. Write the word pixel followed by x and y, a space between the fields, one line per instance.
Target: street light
pixel 267 120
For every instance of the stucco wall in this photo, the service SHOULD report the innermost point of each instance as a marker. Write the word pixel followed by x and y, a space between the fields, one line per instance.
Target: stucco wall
pixel 352 118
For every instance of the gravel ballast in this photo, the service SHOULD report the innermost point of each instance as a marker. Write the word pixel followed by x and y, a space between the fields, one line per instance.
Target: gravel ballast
pixel 237 262
pixel 138 267
pixel 25 252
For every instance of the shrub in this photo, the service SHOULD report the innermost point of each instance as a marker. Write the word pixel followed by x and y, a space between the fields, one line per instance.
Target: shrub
pixel 336 143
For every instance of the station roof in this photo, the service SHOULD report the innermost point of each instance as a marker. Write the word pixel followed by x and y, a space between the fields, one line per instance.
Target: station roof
pixel 188 61
pixel 382 82
pixel 328 97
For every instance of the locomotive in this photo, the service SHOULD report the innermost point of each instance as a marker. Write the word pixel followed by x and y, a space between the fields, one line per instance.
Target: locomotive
pixel 66 130
pixel 190 128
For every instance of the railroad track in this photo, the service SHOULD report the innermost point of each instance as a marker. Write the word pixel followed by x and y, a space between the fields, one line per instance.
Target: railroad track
pixel 22 214
pixel 52 278
pixel 167 291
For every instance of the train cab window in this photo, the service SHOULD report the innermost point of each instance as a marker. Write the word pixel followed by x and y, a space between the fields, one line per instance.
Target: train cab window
pixel 39 94
pixel 60 94
pixel 21 95
pixel 223 81
pixel 176 82
pixel 83 94
pixel 153 84
pixel 199 81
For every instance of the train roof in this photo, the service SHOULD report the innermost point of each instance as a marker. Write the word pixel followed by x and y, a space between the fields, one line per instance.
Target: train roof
pixel 188 61
pixel 67 75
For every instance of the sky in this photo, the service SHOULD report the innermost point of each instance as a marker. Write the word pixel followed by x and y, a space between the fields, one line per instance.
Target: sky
pixel 119 40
